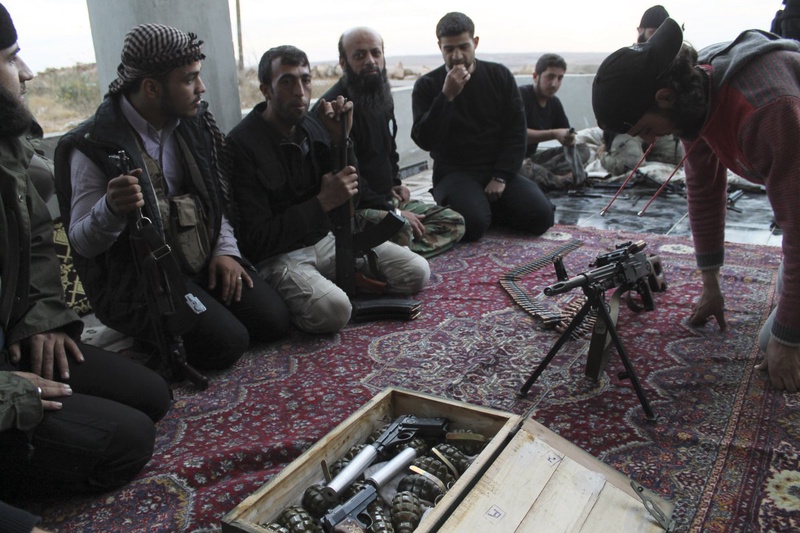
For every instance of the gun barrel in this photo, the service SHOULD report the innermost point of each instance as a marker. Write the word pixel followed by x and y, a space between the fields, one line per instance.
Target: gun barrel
pixel 350 473
pixel 581 280
pixel 351 515
pixel 399 463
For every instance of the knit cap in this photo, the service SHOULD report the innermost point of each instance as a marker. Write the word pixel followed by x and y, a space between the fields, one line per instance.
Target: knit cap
pixel 8 33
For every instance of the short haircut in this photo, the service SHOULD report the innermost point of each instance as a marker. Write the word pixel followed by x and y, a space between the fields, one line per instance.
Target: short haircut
pixel 455 23
pixel 550 60
pixel 290 55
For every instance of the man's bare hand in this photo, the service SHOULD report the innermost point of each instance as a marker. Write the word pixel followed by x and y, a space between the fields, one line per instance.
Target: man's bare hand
pixel 565 136
pixel 49 389
pixel 48 351
pixel 711 302
pixel 783 364
pixel 402 193
pixel 231 275
pixel 332 113
pixel 417 227
pixel 124 194
pixel 457 77
pixel 494 190
pixel 338 188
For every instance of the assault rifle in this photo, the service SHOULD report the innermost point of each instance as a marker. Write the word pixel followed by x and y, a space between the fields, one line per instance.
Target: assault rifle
pixel 351 516
pixel 403 429
pixel 173 308
pixel 351 245
pixel 627 268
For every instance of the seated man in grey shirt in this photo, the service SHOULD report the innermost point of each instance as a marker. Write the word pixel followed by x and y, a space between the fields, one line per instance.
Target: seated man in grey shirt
pixel 154 113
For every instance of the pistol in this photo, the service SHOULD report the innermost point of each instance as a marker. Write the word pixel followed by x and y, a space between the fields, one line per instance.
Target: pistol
pixel 403 429
pixel 351 516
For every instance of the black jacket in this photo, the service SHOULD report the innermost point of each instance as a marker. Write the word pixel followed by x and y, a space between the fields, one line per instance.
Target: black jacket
pixel 110 279
pixel 375 147
pixel 275 183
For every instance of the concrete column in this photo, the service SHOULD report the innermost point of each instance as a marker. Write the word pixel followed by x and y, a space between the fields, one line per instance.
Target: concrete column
pixel 208 19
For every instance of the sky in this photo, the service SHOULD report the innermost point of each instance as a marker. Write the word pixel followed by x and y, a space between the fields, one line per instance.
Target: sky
pixel 56 33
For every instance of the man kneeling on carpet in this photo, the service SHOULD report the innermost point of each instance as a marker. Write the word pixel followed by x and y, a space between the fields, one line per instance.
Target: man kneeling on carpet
pixel 736 106
pixel 154 112
pixel 286 189
pixel 73 418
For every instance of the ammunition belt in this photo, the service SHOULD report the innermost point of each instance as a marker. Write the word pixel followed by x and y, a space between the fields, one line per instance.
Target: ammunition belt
pixel 550 316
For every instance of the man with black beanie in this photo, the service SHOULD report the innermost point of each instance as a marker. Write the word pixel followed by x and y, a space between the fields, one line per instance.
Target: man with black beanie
pixel 73 418
pixel 735 105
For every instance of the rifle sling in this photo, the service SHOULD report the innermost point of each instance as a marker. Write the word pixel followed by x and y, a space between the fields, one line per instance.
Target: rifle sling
pixel 164 278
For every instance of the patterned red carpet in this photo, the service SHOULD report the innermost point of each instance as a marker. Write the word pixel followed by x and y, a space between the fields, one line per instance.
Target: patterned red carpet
pixel 724 449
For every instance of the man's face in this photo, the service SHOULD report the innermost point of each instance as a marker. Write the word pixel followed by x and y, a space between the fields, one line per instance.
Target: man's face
pixel 15 118
pixel 289 93
pixel 364 56
pixel 548 82
pixel 182 91
pixel 458 50
pixel 645 34
pixel 14 72
pixel 654 124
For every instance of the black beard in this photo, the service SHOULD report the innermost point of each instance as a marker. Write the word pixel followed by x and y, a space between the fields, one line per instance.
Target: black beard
pixel 370 93
pixel 15 119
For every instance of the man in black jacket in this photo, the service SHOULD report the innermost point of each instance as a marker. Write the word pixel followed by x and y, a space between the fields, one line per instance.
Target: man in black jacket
pixel 429 229
pixel 154 113
pixel 73 418
pixel 468 114
pixel 286 184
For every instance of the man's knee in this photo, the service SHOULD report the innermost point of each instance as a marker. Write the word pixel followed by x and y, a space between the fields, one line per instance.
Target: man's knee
pixel 327 314
pixel 406 272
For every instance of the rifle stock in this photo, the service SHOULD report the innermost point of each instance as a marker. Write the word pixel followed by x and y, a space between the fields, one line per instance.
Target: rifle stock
pixel 175 309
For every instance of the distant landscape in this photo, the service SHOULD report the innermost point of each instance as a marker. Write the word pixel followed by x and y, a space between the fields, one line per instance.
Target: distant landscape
pixel 62 98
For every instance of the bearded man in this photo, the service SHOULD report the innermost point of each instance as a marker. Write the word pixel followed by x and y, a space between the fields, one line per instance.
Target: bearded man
pixel 74 419
pixel 736 106
pixel 429 229
pixel 155 114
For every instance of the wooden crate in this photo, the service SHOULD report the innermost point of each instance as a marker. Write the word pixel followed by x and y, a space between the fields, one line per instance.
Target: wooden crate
pixel 285 489
pixel 526 479
pixel 542 482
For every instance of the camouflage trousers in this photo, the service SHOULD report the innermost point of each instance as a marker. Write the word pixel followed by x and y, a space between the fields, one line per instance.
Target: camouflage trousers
pixel 547 167
pixel 443 226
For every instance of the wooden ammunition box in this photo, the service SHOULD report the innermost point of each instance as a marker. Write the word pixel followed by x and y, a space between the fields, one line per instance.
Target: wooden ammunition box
pixel 527 478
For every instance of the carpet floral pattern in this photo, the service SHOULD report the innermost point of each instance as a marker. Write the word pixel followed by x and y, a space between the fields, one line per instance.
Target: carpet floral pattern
pixel 725 449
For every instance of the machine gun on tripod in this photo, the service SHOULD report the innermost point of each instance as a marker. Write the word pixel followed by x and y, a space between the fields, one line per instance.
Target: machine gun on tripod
pixel 627 268
pixel 174 310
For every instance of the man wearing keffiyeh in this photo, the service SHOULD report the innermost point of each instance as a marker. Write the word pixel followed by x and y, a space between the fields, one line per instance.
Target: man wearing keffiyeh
pixel 154 112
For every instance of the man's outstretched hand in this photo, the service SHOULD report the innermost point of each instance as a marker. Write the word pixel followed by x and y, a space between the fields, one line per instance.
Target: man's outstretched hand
pixel 783 364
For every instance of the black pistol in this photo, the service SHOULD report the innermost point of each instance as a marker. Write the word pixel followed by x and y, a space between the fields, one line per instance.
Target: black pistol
pixel 351 516
pixel 403 429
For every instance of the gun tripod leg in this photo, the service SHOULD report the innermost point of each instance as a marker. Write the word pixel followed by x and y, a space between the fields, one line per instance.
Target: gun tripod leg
pixel 629 372
pixel 557 346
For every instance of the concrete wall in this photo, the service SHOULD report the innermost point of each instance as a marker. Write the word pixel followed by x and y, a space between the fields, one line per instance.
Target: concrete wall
pixel 209 19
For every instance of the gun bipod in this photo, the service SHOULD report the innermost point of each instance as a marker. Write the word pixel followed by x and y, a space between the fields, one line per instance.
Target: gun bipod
pixel 594 301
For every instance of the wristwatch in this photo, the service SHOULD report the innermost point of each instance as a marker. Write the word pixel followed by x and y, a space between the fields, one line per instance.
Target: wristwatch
pixel 499 180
